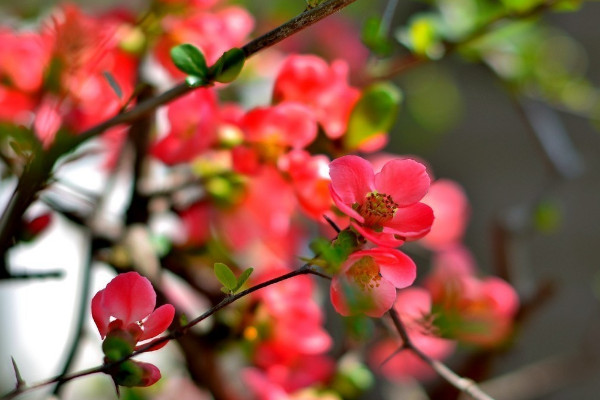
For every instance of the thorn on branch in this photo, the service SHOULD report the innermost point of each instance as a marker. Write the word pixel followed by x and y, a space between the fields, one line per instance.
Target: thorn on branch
pixel 333 224
pixel 20 382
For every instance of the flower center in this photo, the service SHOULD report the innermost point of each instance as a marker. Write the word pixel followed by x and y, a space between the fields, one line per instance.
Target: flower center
pixel 365 273
pixel 377 209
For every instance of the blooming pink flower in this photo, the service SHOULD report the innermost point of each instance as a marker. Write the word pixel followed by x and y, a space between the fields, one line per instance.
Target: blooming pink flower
pixel 384 206
pixel 367 281
pixel 128 302
pixel 124 314
pixel 308 79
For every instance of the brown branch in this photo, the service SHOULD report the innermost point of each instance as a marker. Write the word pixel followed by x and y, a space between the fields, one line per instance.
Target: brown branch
pixel 463 384
pixel 40 168
pixel 105 368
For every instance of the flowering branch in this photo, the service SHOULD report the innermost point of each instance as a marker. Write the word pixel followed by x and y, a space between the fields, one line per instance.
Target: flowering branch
pixel 105 368
pixel 463 384
pixel 39 169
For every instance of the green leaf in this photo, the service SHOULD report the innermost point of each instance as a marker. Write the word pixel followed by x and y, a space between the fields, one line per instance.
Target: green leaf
pixel 373 115
pixel 372 37
pixel 229 66
pixel 243 278
pixel 190 60
pixel 183 319
pixel 226 276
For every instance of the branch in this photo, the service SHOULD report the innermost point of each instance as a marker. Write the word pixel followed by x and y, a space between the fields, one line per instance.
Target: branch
pixel 60 379
pixel 39 170
pixel 463 384
pixel 269 39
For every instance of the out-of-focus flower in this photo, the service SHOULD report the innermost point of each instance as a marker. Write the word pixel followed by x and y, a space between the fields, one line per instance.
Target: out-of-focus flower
pixel 213 32
pixel 367 281
pixel 384 206
pixel 270 132
pixel 310 180
pixel 309 80
pixel 451 208
pixel 474 310
pixel 194 121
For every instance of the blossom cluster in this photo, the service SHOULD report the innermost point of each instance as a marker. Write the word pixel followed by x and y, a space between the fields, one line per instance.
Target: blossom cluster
pixel 255 185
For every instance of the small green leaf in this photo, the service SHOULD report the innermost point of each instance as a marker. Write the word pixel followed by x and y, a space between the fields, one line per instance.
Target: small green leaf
pixel 183 319
pixel 373 115
pixel 190 60
pixel 113 83
pixel 229 66
pixel 226 276
pixel 373 38
pixel 243 278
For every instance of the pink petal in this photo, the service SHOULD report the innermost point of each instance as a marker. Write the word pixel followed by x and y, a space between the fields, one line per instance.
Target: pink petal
pixel 338 300
pixel 383 298
pixel 413 303
pixel 379 238
pixel 99 314
pixel 287 124
pixel 352 178
pixel 150 375
pixel 399 269
pixel 504 296
pixel 158 321
pixel 129 297
pixel 373 303
pixel 405 180
pixel 349 211
pixel 411 222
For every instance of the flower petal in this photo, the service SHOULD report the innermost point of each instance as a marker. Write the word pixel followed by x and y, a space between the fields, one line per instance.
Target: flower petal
pixel 352 178
pixel 379 238
pixel 158 321
pixel 411 222
pixel 405 180
pixel 150 374
pixel 129 297
pixel 99 314
pixel 398 268
pixel 348 299
pixel 383 298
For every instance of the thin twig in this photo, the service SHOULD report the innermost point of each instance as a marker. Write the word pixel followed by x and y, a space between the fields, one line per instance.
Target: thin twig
pixel 463 384
pixel 60 379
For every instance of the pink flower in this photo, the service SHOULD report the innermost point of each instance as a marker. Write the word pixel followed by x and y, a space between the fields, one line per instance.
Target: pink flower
pixel 471 309
pixel 367 281
pixel 193 122
pixel 124 314
pixel 128 303
pixel 270 132
pixel 309 178
pixel 308 79
pixel 384 206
